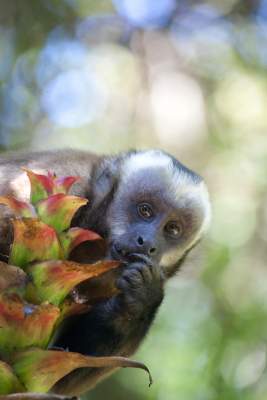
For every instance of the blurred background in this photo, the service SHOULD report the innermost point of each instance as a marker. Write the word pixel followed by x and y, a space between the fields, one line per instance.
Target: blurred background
pixel 188 77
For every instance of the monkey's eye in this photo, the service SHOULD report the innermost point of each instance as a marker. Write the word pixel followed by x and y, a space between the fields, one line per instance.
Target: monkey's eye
pixel 174 229
pixel 145 211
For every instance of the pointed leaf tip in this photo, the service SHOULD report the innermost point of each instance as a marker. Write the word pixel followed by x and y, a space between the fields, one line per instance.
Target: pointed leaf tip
pixel 75 236
pixel 55 279
pixel 40 370
pixel 58 210
pixel 20 208
pixel 41 185
pixel 33 241
pixel 63 184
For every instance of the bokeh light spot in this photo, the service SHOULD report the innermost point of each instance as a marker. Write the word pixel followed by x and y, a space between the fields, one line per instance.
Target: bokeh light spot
pixel 73 98
pixel 146 13
pixel 177 109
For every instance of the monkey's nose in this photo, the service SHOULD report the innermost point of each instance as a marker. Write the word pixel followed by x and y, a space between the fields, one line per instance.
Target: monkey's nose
pixel 145 246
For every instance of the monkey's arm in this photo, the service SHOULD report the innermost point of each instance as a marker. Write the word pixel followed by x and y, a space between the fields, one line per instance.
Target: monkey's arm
pixel 114 327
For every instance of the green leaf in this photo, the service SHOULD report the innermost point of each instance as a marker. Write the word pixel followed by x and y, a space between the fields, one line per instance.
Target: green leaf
pixel 75 236
pixel 54 280
pixel 33 241
pixel 24 325
pixel 20 208
pixel 58 210
pixel 40 370
pixel 41 185
pixel 9 383
pixel 63 184
pixel 37 396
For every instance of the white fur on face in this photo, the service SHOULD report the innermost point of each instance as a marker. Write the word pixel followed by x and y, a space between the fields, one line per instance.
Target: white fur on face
pixel 171 257
pixel 198 195
pixel 204 201
pixel 144 160
pixel 184 188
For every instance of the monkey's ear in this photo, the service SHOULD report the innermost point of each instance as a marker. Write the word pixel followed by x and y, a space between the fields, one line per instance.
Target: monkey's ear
pixel 105 180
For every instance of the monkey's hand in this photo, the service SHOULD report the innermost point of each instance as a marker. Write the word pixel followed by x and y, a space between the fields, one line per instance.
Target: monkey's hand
pixel 114 327
pixel 141 286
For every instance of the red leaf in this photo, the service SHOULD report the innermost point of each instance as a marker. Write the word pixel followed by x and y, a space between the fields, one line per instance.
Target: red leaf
pixel 33 241
pixel 54 280
pixel 20 208
pixel 39 370
pixel 63 184
pixel 75 236
pixel 41 185
pixel 25 325
pixel 57 210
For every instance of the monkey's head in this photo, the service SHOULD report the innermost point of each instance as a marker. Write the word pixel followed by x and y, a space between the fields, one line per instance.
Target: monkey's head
pixel 151 205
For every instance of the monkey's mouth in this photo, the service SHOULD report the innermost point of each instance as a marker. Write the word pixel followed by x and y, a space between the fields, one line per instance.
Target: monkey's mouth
pixel 117 253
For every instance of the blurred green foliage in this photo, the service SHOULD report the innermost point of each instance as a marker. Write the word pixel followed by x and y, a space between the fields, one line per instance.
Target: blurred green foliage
pixel 188 77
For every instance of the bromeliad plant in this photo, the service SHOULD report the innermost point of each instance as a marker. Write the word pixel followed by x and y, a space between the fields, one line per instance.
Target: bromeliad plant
pixel 35 288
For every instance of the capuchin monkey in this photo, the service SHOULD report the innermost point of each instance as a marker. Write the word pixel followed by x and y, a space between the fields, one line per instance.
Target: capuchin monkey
pixel 150 209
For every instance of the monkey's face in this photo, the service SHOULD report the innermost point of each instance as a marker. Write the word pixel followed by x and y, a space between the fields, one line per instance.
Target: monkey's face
pixel 158 212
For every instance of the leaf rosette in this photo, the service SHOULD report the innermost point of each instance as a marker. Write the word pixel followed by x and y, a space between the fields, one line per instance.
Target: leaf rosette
pixel 38 288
